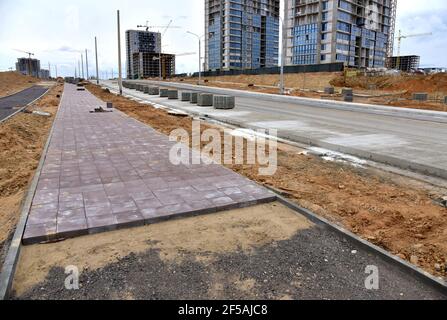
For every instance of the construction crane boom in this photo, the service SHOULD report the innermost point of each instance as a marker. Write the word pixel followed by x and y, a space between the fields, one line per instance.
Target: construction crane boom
pixel 147 26
pixel 184 54
pixel 399 39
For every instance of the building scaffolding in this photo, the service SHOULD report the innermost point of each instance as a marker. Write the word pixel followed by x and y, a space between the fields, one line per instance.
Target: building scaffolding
pixel 147 65
pixel 404 63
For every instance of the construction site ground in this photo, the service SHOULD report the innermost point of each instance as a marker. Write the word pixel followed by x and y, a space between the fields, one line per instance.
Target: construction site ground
pixel 261 244
pixel 391 90
pixel 261 252
pixel 13 82
pixel 397 213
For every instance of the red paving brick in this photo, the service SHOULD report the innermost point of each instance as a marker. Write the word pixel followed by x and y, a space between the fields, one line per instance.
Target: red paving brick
pixel 105 171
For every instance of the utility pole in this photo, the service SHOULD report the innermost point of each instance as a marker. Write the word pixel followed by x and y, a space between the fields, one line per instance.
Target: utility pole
pixel 56 71
pixel 82 64
pixel 96 53
pixel 200 55
pixel 79 68
pixel 86 62
pixel 283 51
pixel 120 79
pixel 49 70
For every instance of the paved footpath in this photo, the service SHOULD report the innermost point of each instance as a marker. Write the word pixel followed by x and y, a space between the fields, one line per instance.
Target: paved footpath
pixel 10 104
pixel 105 171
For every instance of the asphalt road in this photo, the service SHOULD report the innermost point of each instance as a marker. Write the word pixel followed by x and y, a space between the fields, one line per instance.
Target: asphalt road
pixel 11 104
pixel 408 139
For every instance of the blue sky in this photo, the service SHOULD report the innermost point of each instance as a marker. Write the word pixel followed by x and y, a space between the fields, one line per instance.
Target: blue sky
pixel 56 31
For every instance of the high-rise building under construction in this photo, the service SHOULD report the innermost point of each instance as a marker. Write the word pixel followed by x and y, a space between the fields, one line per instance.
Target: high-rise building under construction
pixel 144 57
pixel 359 33
pixel 241 34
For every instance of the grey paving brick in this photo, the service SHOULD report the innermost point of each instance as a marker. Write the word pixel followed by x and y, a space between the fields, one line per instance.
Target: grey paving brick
pixel 108 171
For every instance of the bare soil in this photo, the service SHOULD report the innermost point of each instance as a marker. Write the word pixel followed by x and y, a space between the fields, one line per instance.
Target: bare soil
pixel 225 232
pixel 13 82
pixel 22 139
pixel 396 213
pixel 393 91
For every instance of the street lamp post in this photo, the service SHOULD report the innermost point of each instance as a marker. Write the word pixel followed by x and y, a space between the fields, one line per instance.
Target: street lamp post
pixel 120 79
pixel 200 54
pixel 284 49
pixel 96 54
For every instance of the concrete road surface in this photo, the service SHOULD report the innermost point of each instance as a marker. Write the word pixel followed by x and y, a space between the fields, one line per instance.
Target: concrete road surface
pixel 408 139
pixel 11 104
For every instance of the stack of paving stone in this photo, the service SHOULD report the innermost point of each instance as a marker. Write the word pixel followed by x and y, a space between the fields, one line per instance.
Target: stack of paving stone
pixel 329 90
pixel 194 96
pixel 224 102
pixel 153 91
pixel 172 94
pixel 445 100
pixel 348 94
pixel 186 96
pixel 205 100
pixel 164 93
pixel 420 96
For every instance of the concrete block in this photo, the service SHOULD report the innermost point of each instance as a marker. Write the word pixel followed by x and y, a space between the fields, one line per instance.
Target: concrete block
pixel 146 89
pixel 329 90
pixel 348 98
pixel 186 96
pixel 154 91
pixel 420 96
pixel 109 105
pixel 346 91
pixel 194 96
pixel 224 102
pixel 205 100
pixel 172 94
pixel 164 93
pixel 445 100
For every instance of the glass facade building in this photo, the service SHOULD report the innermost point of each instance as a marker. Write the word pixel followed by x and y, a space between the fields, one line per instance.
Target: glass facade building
pixel 358 33
pixel 241 34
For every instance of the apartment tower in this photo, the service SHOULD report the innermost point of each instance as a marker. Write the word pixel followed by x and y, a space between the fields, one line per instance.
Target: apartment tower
pixel 143 49
pixel 358 33
pixel 241 34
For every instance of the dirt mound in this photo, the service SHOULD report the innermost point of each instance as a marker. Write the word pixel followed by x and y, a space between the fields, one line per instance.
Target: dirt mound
pixel 22 139
pixel 12 82
pixel 421 83
pixel 410 83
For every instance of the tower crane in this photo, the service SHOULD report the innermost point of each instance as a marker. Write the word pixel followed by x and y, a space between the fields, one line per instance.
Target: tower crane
pixel 399 40
pixel 147 26
pixel 169 26
pixel 29 59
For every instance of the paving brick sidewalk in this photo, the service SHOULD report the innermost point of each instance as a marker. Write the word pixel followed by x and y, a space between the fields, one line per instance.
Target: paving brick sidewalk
pixel 105 171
